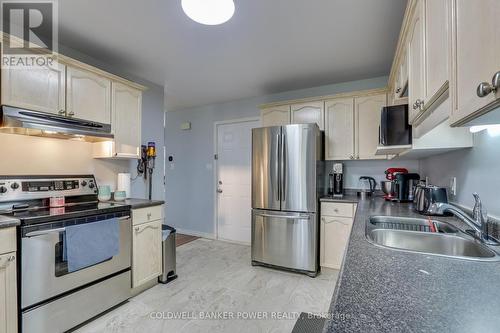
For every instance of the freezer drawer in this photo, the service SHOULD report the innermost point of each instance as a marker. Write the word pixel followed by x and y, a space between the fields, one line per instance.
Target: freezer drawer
pixel 285 239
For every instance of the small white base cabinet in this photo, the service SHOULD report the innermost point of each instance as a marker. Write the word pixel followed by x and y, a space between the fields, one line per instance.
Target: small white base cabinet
pixel 146 245
pixel 336 223
pixel 8 281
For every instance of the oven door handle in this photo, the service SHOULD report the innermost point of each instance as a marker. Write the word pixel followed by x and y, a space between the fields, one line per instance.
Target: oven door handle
pixel 51 231
pixel 44 232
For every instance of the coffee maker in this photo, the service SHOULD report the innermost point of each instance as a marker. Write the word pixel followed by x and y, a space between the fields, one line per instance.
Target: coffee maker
pixel 338 180
pixel 405 184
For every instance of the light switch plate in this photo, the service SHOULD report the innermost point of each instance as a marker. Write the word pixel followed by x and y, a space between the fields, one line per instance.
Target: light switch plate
pixel 453 186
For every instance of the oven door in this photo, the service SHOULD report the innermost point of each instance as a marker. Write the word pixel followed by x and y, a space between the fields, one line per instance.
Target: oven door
pixel 44 273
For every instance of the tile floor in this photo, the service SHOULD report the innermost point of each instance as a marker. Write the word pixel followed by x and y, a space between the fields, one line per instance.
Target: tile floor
pixel 216 278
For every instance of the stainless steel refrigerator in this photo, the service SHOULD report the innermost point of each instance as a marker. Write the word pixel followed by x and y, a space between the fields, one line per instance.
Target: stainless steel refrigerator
pixel 285 224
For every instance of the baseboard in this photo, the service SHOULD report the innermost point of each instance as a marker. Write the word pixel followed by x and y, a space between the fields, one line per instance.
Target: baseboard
pixel 234 242
pixel 195 233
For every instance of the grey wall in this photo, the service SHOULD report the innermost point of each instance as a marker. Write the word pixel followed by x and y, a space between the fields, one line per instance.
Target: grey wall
pixel 476 170
pixel 190 179
pixel 153 109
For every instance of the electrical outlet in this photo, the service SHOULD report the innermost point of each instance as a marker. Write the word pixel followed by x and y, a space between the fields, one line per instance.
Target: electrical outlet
pixel 453 186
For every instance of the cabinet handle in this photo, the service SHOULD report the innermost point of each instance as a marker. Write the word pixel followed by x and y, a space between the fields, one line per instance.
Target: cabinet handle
pixel 398 90
pixel 137 229
pixel 351 157
pixel 484 89
pixel 71 114
pixel 149 216
pixel 8 261
pixel 61 112
pixel 11 258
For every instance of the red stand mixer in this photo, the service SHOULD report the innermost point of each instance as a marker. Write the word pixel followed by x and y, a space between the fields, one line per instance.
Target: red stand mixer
pixel 389 186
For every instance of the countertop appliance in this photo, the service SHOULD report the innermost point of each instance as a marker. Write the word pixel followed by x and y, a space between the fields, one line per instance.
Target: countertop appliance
pixel 27 122
pixel 426 195
pixel 338 180
pixel 405 185
pixel 52 297
pixel 367 186
pixel 394 128
pixel 389 186
pixel 285 223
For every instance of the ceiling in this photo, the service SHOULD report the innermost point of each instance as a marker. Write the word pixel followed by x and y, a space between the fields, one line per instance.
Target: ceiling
pixel 268 46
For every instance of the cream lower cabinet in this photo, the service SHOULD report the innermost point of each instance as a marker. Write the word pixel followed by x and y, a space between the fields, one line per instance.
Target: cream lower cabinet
pixel 88 95
pixel 367 121
pixel 310 112
pixel 8 281
pixel 336 223
pixel 275 116
pixel 146 245
pixel 39 89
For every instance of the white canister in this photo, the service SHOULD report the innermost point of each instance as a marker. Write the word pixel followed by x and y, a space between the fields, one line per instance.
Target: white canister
pixel 123 183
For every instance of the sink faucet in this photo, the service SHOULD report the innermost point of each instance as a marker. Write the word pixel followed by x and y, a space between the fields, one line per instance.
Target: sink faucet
pixel 478 221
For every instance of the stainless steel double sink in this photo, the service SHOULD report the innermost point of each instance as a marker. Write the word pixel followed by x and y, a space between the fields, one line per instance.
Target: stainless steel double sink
pixel 427 237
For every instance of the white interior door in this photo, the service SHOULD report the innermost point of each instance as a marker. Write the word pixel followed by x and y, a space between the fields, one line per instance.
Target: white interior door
pixel 234 179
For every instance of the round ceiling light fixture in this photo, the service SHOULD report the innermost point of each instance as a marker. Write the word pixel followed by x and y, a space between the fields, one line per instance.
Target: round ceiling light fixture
pixel 209 12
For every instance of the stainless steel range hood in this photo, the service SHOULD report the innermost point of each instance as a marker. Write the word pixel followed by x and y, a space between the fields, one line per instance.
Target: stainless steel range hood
pixel 26 122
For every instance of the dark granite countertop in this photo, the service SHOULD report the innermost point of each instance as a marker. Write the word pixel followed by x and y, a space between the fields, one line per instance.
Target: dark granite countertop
pixel 383 290
pixel 140 203
pixel 6 222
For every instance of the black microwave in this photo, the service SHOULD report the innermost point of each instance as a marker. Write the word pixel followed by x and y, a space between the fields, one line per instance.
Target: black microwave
pixel 394 127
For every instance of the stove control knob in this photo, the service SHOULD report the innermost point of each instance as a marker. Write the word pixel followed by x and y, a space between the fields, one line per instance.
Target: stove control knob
pixel 91 185
pixel 84 183
pixel 14 186
pixel 3 189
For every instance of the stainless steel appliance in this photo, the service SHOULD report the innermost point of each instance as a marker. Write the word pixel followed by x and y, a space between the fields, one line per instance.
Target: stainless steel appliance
pixel 285 224
pixel 168 254
pixel 390 187
pixel 53 298
pixel 394 128
pixel 338 180
pixel 405 185
pixel 426 196
pixel 27 122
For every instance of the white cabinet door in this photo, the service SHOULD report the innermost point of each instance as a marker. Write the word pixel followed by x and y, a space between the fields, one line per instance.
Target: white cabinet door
pixel 275 116
pixel 40 89
pixel 416 62
pixel 126 113
pixel 312 112
pixel 147 252
pixel 339 129
pixel 476 53
pixel 88 95
pixel 335 233
pixel 367 123
pixel 8 293
pixel 437 45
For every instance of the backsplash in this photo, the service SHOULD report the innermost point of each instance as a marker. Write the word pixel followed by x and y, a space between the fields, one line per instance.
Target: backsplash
pixel 476 170
pixel 25 155
pixel 354 169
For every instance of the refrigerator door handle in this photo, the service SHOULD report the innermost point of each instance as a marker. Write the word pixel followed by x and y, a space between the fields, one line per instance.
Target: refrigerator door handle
pixel 289 217
pixel 276 167
pixel 283 167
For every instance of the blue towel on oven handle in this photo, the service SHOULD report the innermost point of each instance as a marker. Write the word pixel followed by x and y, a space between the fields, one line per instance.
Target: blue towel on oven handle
pixel 91 243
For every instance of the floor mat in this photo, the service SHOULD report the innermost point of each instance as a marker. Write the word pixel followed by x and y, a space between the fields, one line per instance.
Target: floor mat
pixel 309 323
pixel 181 239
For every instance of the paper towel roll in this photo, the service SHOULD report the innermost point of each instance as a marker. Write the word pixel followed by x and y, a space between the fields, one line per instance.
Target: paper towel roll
pixel 123 183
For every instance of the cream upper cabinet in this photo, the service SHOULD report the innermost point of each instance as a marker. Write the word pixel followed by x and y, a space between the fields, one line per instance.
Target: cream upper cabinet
pixel 311 112
pixel 88 95
pixel 339 129
pixel 275 116
pixel 475 55
pixel 146 252
pixel 367 122
pixel 416 62
pixel 126 113
pixel 8 293
pixel 437 46
pixel 39 89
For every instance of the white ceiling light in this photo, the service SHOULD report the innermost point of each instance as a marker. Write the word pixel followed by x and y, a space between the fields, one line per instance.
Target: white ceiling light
pixel 209 12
